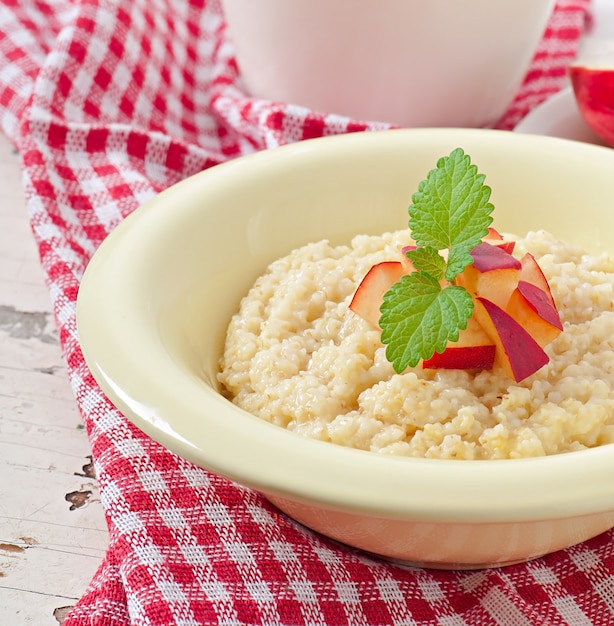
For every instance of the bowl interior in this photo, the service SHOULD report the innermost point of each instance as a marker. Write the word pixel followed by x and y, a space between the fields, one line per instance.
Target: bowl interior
pixel 158 295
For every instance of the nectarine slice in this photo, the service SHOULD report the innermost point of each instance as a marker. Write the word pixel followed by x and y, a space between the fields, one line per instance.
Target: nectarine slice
pixel 493 275
pixel 369 295
pixel 473 350
pixel 495 238
pixel 532 273
pixel 494 234
pixel 516 350
pixel 531 307
pixel 487 258
pixel 407 263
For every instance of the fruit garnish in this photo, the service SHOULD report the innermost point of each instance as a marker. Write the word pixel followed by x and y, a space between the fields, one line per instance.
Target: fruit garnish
pixel 377 281
pixel 451 212
pixel 516 350
pixel 495 238
pixel 458 299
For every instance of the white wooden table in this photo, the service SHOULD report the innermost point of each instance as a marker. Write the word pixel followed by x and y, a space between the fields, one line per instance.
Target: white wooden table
pixel 52 529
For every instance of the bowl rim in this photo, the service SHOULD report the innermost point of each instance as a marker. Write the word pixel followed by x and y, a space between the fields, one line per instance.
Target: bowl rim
pixel 313 471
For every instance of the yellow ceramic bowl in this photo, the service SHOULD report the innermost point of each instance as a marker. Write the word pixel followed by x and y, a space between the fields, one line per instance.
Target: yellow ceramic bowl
pixel 157 297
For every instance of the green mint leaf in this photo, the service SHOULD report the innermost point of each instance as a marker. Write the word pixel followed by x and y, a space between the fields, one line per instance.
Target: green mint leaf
pixel 428 260
pixel 458 259
pixel 419 318
pixel 451 206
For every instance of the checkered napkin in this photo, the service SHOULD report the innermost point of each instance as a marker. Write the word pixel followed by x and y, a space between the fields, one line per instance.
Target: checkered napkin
pixel 110 102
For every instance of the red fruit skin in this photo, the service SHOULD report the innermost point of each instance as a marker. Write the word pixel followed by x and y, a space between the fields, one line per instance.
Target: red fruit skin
pixel 494 238
pixel 532 309
pixel 487 257
pixel 467 358
pixel 493 233
pixel 474 350
pixel 594 92
pixel 493 274
pixel 516 350
pixel 532 273
pixel 508 246
pixel 407 264
pixel 369 295
pixel 540 303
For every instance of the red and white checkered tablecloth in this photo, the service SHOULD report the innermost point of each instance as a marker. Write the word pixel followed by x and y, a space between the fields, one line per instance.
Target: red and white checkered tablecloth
pixel 110 102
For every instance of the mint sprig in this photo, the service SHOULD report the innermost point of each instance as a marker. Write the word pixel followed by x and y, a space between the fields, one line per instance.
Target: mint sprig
pixel 450 211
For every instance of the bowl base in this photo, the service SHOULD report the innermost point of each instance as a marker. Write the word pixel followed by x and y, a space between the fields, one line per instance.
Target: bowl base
pixel 432 565
pixel 410 564
pixel 450 566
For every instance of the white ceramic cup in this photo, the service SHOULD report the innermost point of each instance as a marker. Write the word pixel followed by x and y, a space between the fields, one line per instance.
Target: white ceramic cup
pixel 406 62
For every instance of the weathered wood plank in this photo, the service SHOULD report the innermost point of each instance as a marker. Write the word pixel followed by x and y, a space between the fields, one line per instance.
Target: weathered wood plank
pixel 52 529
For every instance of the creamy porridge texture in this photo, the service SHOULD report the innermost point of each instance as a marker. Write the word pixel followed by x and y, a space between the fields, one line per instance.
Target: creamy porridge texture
pixel 296 356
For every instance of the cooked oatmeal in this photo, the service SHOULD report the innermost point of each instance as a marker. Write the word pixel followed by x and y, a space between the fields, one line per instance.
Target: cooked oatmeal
pixel 296 356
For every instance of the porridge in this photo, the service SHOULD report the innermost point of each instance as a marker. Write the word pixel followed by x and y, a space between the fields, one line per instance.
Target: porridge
pixel 298 357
